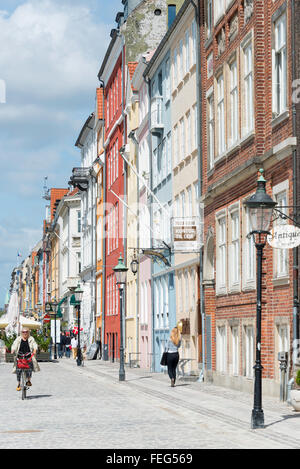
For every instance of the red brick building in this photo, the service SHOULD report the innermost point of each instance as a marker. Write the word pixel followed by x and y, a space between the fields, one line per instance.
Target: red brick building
pixel 112 78
pixel 247 124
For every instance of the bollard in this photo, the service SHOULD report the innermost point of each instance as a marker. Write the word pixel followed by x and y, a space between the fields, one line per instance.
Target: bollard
pixel 283 359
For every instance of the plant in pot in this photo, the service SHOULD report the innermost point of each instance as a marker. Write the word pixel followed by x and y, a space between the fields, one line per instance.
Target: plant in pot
pixel 295 393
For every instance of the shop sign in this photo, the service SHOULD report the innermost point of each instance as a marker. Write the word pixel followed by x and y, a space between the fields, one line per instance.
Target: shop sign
pixel 187 234
pixel 284 237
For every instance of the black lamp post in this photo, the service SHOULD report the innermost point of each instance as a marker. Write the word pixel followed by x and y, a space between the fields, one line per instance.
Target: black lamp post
pixel 260 207
pixel 78 298
pixel 120 272
pixel 49 309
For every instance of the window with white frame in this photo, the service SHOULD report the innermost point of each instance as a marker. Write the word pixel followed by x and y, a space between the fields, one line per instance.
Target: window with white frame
pixel 189 206
pixel 279 63
pixel 235 349
pixel 209 17
pixel 175 68
pixel 210 132
pixel 176 143
pixel 281 256
pixel 195 126
pixel 219 9
pixel 187 51
pixel 234 118
pixel 247 83
pixel 188 133
pixel 181 60
pixel 194 42
pixel 221 264
pixel 249 351
pixel 221 114
pixel 248 258
pixel 182 139
pixel 221 349
pixel 234 247
pixel 168 84
pixel 169 154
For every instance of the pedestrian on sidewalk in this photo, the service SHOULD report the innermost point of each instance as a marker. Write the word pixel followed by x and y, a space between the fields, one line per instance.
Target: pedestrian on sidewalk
pixel 74 344
pixel 61 345
pixel 173 356
pixel 25 344
pixel 68 344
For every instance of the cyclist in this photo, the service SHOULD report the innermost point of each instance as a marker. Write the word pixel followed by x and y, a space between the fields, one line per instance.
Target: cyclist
pixel 25 344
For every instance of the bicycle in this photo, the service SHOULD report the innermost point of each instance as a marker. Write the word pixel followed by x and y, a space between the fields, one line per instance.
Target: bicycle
pixel 24 363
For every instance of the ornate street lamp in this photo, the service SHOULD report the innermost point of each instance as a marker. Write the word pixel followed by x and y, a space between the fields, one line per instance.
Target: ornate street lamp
pixel 134 264
pixel 120 272
pixel 75 300
pixel 260 206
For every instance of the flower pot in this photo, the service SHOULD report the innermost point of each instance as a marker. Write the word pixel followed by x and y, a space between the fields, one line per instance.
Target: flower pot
pixel 295 399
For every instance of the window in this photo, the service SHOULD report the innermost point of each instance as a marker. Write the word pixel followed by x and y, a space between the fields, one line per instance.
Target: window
pixel 188 131
pixel 176 159
pixel 209 18
pixel 168 84
pixel 249 264
pixel 181 60
pixel 221 115
pixel 182 139
pixel 221 349
pixel 234 102
pixel 221 267
pixel 189 207
pixel 194 42
pixel 281 256
pixel 187 51
pixel 248 89
pixel 279 66
pixel 234 249
pixel 171 14
pixel 210 132
pixel 169 154
pixel 78 221
pixel 219 9
pixel 175 69
pixel 235 350
pixel 249 351
pixel 195 126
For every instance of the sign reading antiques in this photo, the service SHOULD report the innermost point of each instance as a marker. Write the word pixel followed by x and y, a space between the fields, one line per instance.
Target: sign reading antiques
pixel 284 237
pixel 187 234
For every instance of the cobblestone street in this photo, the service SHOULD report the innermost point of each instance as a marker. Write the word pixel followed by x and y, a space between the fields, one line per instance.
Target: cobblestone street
pixel 71 407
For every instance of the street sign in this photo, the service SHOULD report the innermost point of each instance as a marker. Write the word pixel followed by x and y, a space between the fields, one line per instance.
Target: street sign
pixel 284 237
pixel 46 318
pixel 187 234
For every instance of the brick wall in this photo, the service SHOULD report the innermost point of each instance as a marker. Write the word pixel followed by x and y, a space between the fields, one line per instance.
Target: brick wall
pixel 234 175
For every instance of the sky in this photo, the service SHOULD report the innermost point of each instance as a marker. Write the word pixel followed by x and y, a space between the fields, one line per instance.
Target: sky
pixel 50 54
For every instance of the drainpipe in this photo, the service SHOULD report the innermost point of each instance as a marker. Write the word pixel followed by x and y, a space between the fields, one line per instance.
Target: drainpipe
pixel 151 224
pixel 136 143
pixel 200 174
pixel 125 188
pixel 103 230
pixel 295 199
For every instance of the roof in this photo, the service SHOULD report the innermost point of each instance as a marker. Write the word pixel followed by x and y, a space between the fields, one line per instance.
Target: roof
pixel 85 127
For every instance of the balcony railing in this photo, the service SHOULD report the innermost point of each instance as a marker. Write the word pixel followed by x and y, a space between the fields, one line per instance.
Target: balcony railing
pixel 157 124
pixel 80 178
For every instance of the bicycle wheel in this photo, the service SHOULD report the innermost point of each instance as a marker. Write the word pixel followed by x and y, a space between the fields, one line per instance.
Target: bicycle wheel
pixel 23 385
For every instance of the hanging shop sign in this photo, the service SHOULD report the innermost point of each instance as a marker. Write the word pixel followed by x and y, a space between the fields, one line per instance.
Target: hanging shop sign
pixel 187 234
pixel 284 237
pixel 156 255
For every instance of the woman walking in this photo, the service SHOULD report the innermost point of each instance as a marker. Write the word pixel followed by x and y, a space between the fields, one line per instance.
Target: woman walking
pixel 173 356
